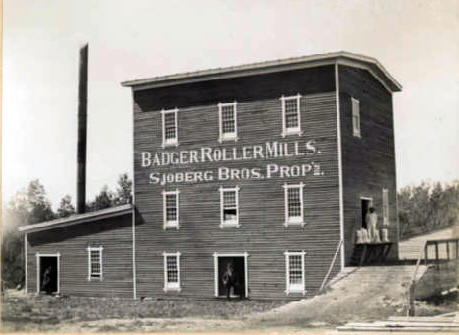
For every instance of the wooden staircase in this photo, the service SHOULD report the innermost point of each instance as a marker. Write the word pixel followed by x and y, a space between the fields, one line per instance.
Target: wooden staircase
pixel 416 324
pixel 369 253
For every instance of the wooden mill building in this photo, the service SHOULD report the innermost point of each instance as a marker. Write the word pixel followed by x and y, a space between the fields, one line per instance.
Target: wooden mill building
pixel 270 167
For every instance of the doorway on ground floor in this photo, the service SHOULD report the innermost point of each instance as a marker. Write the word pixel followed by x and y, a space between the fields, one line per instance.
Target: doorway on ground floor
pixel 231 275
pixel 48 273
pixel 365 204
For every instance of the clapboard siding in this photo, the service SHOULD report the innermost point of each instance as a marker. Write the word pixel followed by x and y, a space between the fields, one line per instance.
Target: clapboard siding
pixel 113 234
pixel 261 202
pixel 369 161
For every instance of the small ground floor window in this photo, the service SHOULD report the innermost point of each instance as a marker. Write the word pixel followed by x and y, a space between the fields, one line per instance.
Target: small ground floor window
pixel 171 271
pixel 294 272
pixel 95 263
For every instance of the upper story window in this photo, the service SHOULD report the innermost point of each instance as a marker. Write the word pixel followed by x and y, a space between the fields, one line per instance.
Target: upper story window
pixel 294 208
pixel 170 132
pixel 294 271
pixel 291 116
pixel 171 209
pixel 385 198
pixel 229 207
pixel 227 114
pixel 171 271
pixel 355 117
pixel 95 263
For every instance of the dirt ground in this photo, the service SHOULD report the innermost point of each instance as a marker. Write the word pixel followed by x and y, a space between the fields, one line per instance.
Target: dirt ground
pixel 30 313
pixel 366 294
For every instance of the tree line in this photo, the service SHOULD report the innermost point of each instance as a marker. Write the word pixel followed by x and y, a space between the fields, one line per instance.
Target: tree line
pixel 427 207
pixel 31 205
pixel 421 209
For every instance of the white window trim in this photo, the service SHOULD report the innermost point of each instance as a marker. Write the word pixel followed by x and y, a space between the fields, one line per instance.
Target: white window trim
pixel 99 249
pixel 228 223
pixel 173 141
pixel 355 112
pixel 170 223
pixel 227 136
pixel 246 271
pixel 298 220
pixel 176 287
pixel 296 130
pixel 385 209
pixel 58 256
pixel 293 289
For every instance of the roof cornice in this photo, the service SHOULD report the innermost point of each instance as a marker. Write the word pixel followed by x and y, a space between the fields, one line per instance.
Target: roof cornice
pixel 344 58
pixel 79 218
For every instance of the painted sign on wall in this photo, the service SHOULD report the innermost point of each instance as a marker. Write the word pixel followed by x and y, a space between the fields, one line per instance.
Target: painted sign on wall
pixel 269 151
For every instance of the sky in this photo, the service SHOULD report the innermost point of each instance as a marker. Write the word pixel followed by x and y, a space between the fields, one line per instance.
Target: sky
pixel 416 41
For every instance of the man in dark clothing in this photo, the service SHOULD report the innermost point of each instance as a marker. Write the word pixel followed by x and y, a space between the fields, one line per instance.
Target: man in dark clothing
pixel 229 279
pixel 46 281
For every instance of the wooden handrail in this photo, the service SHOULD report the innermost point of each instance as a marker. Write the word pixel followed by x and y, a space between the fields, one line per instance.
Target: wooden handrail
pixel 331 266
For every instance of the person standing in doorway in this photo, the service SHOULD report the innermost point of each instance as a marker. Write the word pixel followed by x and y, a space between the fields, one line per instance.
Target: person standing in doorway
pixel 372 221
pixel 229 279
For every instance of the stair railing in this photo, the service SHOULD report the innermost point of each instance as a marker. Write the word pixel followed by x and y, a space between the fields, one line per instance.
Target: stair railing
pixel 411 287
pixel 331 266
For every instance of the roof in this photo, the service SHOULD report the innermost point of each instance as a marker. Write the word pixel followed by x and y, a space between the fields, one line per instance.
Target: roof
pixel 79 218
pixel 342 57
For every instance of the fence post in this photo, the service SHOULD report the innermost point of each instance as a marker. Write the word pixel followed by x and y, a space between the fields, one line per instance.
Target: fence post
pixel 457 251
pixel 426 254
pixel 437 261
pixel 447 250
pixel 411 311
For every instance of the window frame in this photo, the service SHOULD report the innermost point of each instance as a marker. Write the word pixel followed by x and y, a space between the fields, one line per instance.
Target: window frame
pixel 172 141
pixel 227 136
pixel 294 220
pixel 356 129
pixel 297 288
pixel 91 275
pixel 385 206
pixel 229 223
pixel 292 130
pixel 171 286
pixel 171 223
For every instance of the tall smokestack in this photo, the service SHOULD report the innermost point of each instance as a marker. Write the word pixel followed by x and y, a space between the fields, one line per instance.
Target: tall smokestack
pixel 82 129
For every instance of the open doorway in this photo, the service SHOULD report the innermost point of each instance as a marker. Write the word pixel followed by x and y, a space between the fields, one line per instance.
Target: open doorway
pixel 48 273
pixel 237 266
pixel 365 204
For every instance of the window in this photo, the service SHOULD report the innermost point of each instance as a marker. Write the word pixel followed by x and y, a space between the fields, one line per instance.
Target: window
pixel 171 271
pixel 385 198
pixel 95 263
pixel 228 121
pixel 293 204
pixel 294 272
pixel 291 119
pixel 229 205
pixel 170 127
pixel 171 209
pixel 355 117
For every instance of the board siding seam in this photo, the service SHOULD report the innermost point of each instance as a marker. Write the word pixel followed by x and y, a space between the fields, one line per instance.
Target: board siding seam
pixel 134 267
pixel 340 167
pixel 25 261
pixel 395 179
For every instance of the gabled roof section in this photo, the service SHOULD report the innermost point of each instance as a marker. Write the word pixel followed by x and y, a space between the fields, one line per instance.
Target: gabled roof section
pixel 79 218
pixel 342 57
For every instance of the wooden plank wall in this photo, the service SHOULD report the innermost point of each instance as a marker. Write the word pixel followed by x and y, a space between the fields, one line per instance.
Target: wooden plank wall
pixel 369 161
pixel 261 202
pixel 113 234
